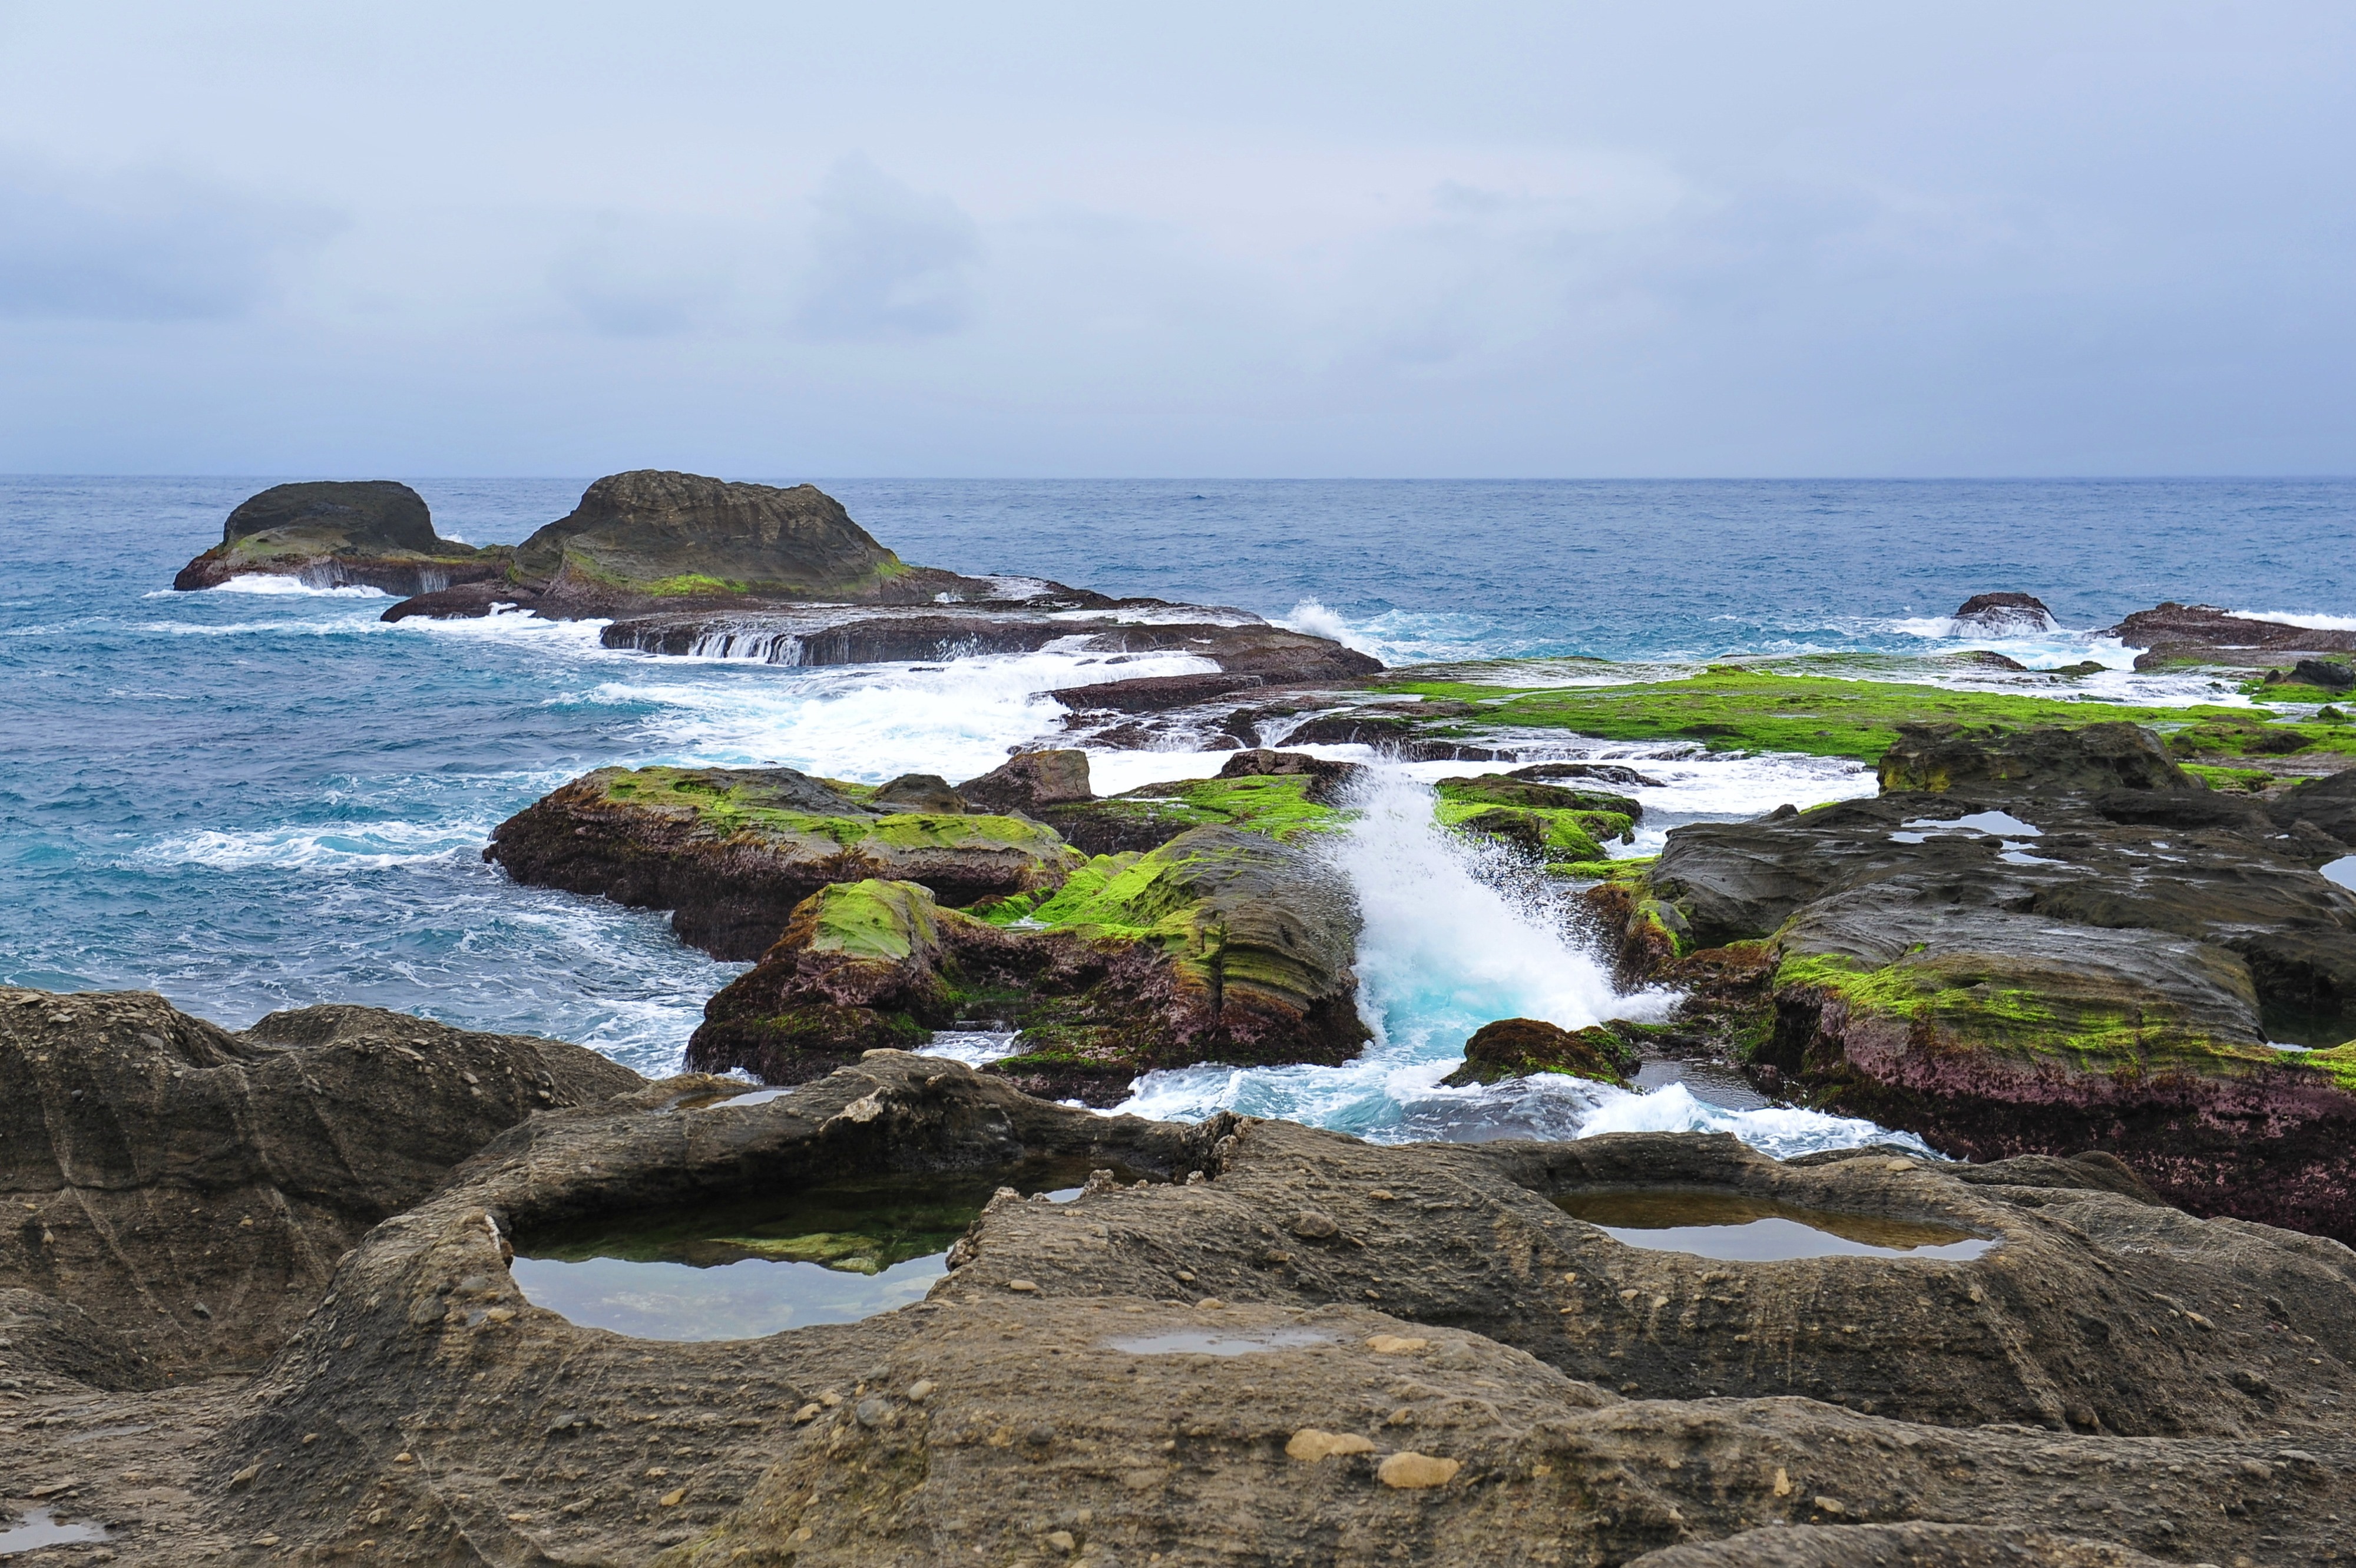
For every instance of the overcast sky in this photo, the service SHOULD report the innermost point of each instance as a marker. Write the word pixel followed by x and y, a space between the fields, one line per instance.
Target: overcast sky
pixel 1220 239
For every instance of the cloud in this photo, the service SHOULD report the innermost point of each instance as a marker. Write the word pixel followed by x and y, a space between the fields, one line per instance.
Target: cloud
pixel 143 246
pixel 886 261
pixel 645 280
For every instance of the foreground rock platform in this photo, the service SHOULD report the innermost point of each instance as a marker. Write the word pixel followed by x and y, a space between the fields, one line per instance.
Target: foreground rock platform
pixel 1285 1346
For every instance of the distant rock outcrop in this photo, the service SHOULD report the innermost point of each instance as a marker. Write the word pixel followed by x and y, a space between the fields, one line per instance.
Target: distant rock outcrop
pixel 2205 634
pixel 337 533
pixel 2004 615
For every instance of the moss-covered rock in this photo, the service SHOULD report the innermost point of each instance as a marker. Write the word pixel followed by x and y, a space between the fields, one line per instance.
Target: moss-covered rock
pixel 1286 807
pixel 1219 946
pixel 1516 1047
pixel 372 533
pixel 731 852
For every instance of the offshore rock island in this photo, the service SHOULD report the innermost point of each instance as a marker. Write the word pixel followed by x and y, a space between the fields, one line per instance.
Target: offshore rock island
pixel 885 1277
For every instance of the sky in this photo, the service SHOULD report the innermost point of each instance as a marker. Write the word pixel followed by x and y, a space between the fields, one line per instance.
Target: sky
pixel 1234 240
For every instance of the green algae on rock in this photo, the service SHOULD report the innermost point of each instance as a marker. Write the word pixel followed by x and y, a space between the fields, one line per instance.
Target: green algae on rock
pixel 1732 707
pixel 2042 942
pixel 1516 1047
pixel 731 852
pixel 1220 945
pixel 373 533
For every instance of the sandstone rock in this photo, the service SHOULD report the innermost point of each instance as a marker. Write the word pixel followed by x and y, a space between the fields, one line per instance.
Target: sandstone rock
pixel 2051 942
pixel 1410 1471
pixel 1309 1445
pixel 731 852
pixel 170 1165
pixel 371 534
pixel 1031 780
pixel 1080 1406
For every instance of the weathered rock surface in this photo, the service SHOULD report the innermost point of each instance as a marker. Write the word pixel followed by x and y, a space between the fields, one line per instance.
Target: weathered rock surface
pixel 731 851
pixel 1325 1351
pixel 1282 793
pixel 2052 942
pixel 190 1190
pixel 371 534
pixel 1218 945
pixel 1031 781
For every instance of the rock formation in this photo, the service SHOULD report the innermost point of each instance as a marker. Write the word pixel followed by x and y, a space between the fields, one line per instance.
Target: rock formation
pixel 2175 633
pixel 368 533
pixel 2003 615
pixel 2048 943
pixel 190 1189
pixel 1219 945
pixel 731 851
pixel 1515 1048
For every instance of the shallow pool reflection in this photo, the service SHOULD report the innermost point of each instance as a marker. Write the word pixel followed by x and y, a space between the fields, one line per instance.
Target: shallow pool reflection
pixel 1740 1228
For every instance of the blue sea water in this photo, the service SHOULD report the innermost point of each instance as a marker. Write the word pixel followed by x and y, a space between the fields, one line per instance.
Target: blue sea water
pixel 251 801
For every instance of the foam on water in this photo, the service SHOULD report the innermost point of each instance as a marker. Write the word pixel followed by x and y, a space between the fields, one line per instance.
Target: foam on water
pixel 2313 622
pixel 1452 940
pixel 273 583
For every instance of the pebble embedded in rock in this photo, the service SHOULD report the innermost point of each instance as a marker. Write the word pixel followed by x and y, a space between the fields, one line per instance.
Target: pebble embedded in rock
pixel 1410 1471
pixel 1396 1345
pixel 1023 1285
pixel 1310 1444
pixel 1311 1224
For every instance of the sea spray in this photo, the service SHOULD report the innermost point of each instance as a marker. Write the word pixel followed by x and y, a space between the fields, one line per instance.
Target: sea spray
pixel 1456 934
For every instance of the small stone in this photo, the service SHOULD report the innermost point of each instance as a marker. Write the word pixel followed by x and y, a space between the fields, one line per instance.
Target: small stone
pixel 1313 1225
pixel 920 1391
pixel 1782 1482
pixel 309 1438
pixel 872 1410
pixel 1381 1195
pixel 657 1474
pixel 243 1477
pixel 265 1540
pixel 499 1314
pixel 2198 1321
pixel 54 1488
pixel 1828 1505
pixel 829 1398
pixel 673 1499
pixel 405 1459
pixel 1023 1285
pixel 1185 1278
pixel 1309 1445
pixel 1062 1540
pixel 1209 1303
pixel 1396 1345
pixel 1410 1471
pixel 519 1519
pixel 808 1412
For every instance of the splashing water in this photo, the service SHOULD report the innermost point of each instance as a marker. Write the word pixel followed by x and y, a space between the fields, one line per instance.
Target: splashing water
pixel 1454 937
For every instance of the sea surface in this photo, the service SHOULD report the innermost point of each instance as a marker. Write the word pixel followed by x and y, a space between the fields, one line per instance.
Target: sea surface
pixel 262 796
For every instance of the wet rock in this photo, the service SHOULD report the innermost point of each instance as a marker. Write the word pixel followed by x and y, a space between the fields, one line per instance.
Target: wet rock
pixel 190 1189
pixel 2003 615
pixel 2331 674
pixel 1031 780
pixel 2205 633
pixel 1515 1048
pixel 731 852
pixel 371 534
pixel 1096 1405
pixel 1597 772
pixel 1285 794
pixel 2051 942
pixel 1219 946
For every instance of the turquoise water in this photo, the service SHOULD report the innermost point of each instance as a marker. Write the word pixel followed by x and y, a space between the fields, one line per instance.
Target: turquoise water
pixel 256 800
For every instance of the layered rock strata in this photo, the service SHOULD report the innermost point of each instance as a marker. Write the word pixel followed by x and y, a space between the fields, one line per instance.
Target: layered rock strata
pixel 189 1190
pixel 370 533
pixel 2044 943
pixel 1307 1348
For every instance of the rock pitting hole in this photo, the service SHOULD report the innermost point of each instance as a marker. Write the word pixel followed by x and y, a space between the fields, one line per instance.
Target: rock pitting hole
pixel 748 1267
pixel 1737 1228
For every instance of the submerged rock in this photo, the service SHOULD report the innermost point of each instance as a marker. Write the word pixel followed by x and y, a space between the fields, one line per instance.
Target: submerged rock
pixel 1217 946
pixel 2048 943
pixel 731 851
pixel 370 533
pixel 1564 1394
pixel 190 1189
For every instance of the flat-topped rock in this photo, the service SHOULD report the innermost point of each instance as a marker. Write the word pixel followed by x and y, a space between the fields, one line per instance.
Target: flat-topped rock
pixel 2203 633
pixel 372 533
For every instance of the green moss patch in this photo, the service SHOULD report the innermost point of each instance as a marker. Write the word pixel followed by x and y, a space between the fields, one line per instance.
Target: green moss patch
pixel 1727 708
pixel 734 807
pixel 1276 805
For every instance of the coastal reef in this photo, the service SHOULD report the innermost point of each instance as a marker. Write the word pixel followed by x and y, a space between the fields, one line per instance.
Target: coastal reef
pixel 2044 942
pixel 370 533
pixel 1235 1341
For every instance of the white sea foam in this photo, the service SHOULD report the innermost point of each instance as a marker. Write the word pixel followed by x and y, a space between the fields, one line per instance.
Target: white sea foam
pixel 366 625
pixel 318 846
pixel 2313 622
pixel 273 584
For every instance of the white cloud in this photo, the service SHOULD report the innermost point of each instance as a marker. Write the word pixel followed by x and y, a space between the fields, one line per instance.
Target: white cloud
pixel 886 261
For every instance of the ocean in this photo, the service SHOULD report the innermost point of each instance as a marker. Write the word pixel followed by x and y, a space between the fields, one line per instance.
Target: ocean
pixel 253 800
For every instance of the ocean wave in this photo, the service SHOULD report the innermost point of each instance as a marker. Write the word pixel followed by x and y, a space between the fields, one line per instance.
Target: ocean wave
pixel 349 846
pixel 333 626
pixel 2313 622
